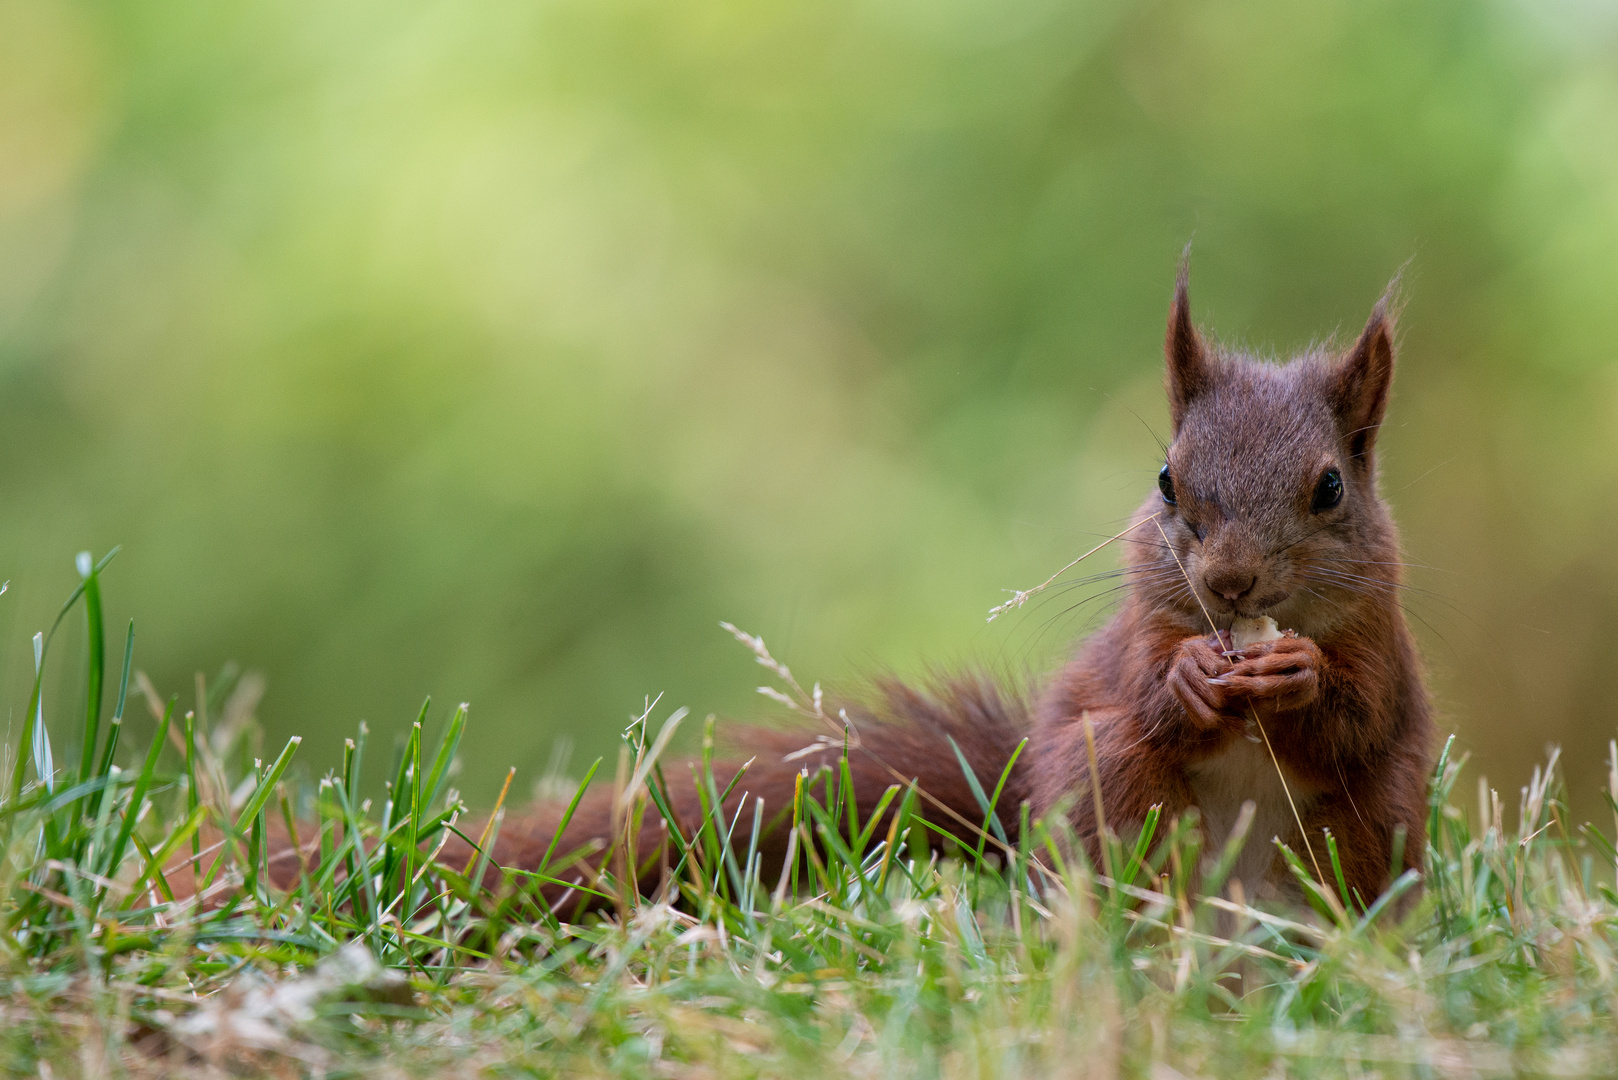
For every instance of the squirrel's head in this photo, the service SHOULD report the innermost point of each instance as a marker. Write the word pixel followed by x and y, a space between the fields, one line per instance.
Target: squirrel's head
pixel 1268 494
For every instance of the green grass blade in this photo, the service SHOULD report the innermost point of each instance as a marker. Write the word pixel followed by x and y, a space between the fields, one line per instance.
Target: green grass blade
pixel 266 784
pixel 95 676
pixel 1322 899
pixel 447 747
pixel 1337 871
pixel 1401 885
pixel 1143 842
pixel 158 878
pixel 142 782
pixel 567 816
pixel 44 763
pixel 25 752
pixel 354 758
pixel 115 726
pixel 991 819
pixel 649 758
pixel 875 819
pixel 360 870
pixel 105 765
pixel 171 844
pixel 396 806
pixel 1438 796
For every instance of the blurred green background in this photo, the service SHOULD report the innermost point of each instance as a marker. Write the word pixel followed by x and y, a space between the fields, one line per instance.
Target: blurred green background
pixel 497 352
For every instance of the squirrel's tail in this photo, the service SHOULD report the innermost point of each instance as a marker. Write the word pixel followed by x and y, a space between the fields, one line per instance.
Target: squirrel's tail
pixel 900 735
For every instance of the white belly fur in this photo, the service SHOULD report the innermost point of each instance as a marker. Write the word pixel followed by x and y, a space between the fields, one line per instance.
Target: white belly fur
pixel 1221 784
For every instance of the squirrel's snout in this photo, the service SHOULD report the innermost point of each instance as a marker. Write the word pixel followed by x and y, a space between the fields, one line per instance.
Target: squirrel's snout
pixel 1231 584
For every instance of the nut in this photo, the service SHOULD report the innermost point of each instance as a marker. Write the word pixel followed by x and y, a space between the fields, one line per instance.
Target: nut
pixel 1245 632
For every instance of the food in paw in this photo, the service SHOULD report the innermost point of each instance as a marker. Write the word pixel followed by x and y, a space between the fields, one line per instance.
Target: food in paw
pixel 1245 632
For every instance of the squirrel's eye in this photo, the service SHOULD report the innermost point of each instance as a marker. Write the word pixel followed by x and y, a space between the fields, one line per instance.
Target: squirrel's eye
pixel 1165 484
pixel 1329 492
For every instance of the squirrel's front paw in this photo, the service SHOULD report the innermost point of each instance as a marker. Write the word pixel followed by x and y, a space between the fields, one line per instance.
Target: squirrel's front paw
pixel 1194 680
pixel 1281 675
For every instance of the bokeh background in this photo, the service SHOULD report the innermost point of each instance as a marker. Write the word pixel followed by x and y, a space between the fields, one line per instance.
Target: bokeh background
pixel 498 351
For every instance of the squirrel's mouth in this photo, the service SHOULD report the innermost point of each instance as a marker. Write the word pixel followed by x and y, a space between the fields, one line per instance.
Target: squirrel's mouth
pixel 1247 607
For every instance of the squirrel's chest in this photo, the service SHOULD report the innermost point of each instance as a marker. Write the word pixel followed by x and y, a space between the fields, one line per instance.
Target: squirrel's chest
pixel 1222 783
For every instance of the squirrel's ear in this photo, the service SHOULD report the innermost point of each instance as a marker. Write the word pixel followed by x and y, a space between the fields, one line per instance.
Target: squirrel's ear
pixel 1188 372
pixel 1360 381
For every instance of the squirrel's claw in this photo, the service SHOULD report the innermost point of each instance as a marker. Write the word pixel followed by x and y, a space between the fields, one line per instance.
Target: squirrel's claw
pixel 1282 674
pixel 1194 680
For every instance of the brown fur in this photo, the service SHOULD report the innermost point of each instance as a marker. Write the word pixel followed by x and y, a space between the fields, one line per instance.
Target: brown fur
pixel 900 733
pixel 1343 703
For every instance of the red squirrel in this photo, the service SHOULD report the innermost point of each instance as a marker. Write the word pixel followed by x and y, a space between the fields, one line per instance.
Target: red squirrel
pixel 1266 505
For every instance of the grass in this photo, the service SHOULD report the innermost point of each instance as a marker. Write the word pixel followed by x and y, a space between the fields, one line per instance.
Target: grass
pixel 868 957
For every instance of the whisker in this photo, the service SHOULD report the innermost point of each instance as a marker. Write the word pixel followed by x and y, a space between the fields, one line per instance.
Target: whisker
pixel 1154 579
pixel 1299 540
pixel 1021 596
pixel 1364 586
pixel 1404 586
pixel 1093 579
pixel 1321 597
pixel 1378 562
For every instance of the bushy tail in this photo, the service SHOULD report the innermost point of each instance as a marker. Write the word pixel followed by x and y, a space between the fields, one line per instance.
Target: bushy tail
pixel 900 735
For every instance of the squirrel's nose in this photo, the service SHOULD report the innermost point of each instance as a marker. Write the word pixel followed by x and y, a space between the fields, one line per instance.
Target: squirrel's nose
pixel 1231 584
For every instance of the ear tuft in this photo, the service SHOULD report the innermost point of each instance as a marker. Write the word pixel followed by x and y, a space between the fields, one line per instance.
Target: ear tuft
pixel 1187 370
pixel 1360 381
